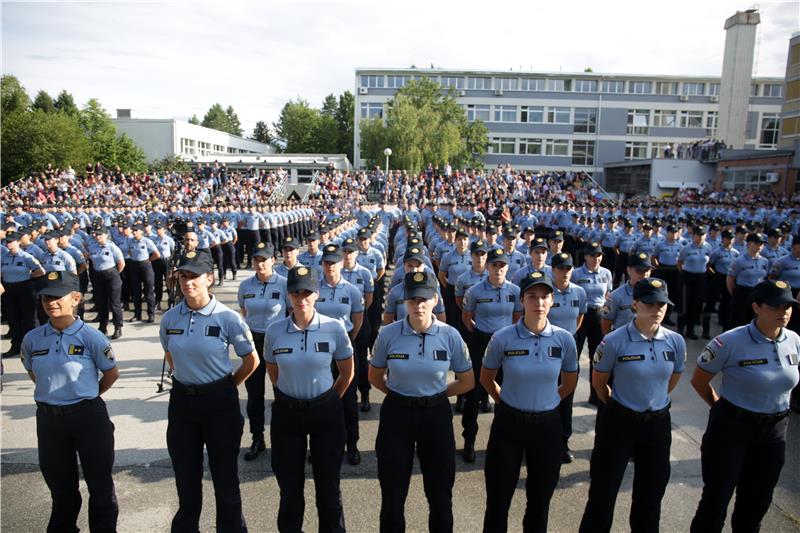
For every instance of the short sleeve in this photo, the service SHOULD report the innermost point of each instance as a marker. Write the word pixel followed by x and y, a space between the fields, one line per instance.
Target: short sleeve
pixel 369 283
pixel 459 289
pixel 344 349
pixel 380 263
pixel 459 355
pixel 272 332
pixel 391 303
pixel 33 263
pixel 162 334
pixel 151 246
pixel 714 356
pixel 582 303
pixel 378 359
pixel 734 268
pixel 117 253
pixel 25 350
pixel 517 299
pixel 102 352
pixel 240 295
pixel 680 354
pixel 439 307
pixel 469 304
pixel 493 357
pixel 238 334
pixel 611 309
pixel 569 353
pixel 605 356
pixel 357 300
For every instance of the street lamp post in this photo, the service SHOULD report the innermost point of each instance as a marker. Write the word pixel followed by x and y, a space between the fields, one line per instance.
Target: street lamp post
pixel 387 152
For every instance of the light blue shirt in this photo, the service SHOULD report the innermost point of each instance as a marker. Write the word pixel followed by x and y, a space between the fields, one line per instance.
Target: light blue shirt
pixel 787 269
pixel 667 253
pixel 140 250
pixel 105 257
pixel 66 363
pixel 494 307
pixel 372 260
pixel 165 246
pixel 264 302
pixel 361 277
pixel 642 367
pixel 694 259
pixel 304 356
pixel 395 302
pixel 418 363
pixel 60 261
pixel 722 258
pixel 466 280
pixel 567 306
pixel 619 309
pixel 596 284
pixel 199 341
pixel 749 271
pixel 516 279
pixel 531 364
pixel 340 301
pixel 17 267
pixel 758 374
pixel 454 264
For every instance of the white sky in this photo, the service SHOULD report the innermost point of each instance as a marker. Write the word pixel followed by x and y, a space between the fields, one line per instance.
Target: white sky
pixel 176 59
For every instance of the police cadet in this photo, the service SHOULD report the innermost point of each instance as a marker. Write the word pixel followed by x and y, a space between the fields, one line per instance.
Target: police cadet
pixel 54 259
pixel 597 282
pixel 746 271
pixel 263 299
pixel 142 251
pixel 488 306
pixel 538 261
pixel 567 312
pixel 533 354
pixel 413 261
pixel 231 237
pixel 665 258
pixel 693 263
pixel 787 269
pixel 63 358
pixel 299 351
pixel 744 444
pixel 107 263
pixel 410 363
pixel 204 402
pixel 618 310
pixel 719 263
pixel 516 259
pixel 162 267
pixel 312 257
pixel 289 254
pixel 19 268
pixel 477 252
pixel 647 361
pixel 341 300
pixel 452 265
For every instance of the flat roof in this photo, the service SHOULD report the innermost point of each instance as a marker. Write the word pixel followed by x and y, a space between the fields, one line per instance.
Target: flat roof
pixel 739 155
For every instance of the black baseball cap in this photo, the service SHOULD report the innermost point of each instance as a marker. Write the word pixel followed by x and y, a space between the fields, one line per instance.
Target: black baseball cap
pixel 59 284
pixel 562 260
pixel 533 279
pixel 773 293
pixel 100 230
pixel 302 278
pixel 461 233
pixel 594 248
pixel 640 261
pixel 651 290
pixel 727 234
pixel 755 237
pixel 264 249
pixel 364 233
pixel 538 242
pixel 497 255
pixel 349 245
pixel 332 253
pixel 557 236
pixel 12 236
pixel 290 242
pixel 413 252
pixel 52 234
pixel 700 230
pixel 477 247
pixel 196 261
pixel 419 285
pixel 313 236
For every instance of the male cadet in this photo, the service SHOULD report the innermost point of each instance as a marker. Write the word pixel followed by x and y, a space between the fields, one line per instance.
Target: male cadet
pixel 665 258
pixel 231 237
pixel 312 257
pixel 142 251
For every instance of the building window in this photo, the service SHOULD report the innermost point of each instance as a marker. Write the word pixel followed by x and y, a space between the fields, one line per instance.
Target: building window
pixel 396 82
pixel 533 84
pixel 530 146
pixel 583 153
pixel 638 121
pixel 505 113
pixel 506 84
pixel 558 85
pixel 533 114
pixel 479 84
pixel 640 87
pixel 711 123
pixel 713 89
pixel 754 89
pixel 371 110
pixel 558 115
pixel 453 81
pixel 665 118
pixel 556 147
pixel 372 81
pixel 659 150
pixel 187 146
pixel 585 86
pixel 585 120
pixel 666 87
pixel 773 89
pixel 770 126
pixel 691 119
pixel 612 86
pixel 501 145
pixel 477 112
pixel 747 179
pixel 636 150
pixel 694 89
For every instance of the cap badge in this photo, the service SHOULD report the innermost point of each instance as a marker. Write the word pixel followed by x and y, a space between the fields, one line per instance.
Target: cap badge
pixel 261 245
pixel 191 255
pixel 594 245
pixel 642 255
pixel 563 256
pixel 656 283
pixel 330 248
pixel 419 277
pixel 52 276
pixel 499 252
pixel 781 285
pixel 302 271
pixel 414 250
pixel 536 275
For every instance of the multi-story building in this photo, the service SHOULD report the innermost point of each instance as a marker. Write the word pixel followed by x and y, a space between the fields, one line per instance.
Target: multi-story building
pixel 559 121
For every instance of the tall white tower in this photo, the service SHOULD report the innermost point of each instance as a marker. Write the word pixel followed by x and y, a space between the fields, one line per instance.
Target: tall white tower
pixel 737 76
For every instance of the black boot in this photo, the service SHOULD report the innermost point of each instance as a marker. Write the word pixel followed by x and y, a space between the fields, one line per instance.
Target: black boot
pixel 117 332
pixel 469 450
pixel 150 318
pixel 459 408
pixel 353 455
pixel 690 334
pixel 13 352
pixel 256 448
pixel 566 455
pixel 365 405
pixel 706 327
pixel 103 329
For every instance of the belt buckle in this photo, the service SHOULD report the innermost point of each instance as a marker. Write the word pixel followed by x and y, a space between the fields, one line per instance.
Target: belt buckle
pixel 192 390
pixel 57 410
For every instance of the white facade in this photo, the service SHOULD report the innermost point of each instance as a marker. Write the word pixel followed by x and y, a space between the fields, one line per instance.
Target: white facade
pixel 737 75
pixel 160 138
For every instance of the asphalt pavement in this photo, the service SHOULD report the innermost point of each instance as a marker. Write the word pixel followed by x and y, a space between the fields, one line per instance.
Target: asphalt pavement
pixel 146 490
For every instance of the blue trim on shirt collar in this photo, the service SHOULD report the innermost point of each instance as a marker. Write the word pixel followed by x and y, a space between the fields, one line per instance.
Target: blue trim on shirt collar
pixel 757 336
pixel 291 327
pixel 524 333
pixel 205 311
pixel 71 330
pixel 406 329
pixel 636 336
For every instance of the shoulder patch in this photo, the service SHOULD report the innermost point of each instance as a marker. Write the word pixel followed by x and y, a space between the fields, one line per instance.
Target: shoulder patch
pixel 706 356
pixel 109 352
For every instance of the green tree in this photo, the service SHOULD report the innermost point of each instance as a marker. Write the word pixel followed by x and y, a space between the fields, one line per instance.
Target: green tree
pixel 234 126
pixel 31 140
pixel 170 163
pixel 345 120
pixel 329 106
pixel 43 102
pixel 106 147
pixel 65 103
pixel 215 118
pixel 424 124
pixel 261 133
pixel 13 95
pixel 194 120
pixel 297 127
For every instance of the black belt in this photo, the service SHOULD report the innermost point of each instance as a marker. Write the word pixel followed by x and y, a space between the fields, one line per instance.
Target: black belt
pixel 642 416
pixel 525 417
pixel 590 309
pixel 203 388
pixel 16 283
pixel 134 261
pixel 59 410
pixel 296 403
pixel 418 401
pixel 762 418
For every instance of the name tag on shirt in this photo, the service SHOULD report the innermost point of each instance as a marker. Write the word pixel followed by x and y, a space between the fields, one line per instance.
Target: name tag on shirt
pixel 669 356
pixel 174 332
pixel 575 303
pixel 516 353
pixel 47 351
pixel 555 352
pixel 212 331
pixel 440 355
pixel 792 358
pixel 322 347
pixel 626 358
pixel 282 351
pixel 345 300
pixel 402 356
pixel 484 300
pixel 753 362
pixel 276 296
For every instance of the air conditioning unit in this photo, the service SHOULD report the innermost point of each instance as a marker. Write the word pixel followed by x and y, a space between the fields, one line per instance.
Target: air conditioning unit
pixel 363 90
pixel 714 98
pixel 462 93
pixel 684 98
pixel 498 92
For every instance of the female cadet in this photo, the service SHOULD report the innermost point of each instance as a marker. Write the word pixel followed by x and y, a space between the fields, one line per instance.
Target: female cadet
pixel 413 261
pixel 745 442
pixel 451 267
pixel 647 361
pixel 262 300
pixel 567 311
pixel 533 355
pixel 746 271
pixel 489 305
pixel 341 300
pixel 62 358
pixel 204 403
pixel 299 351
pixel 417 354
pixel 19 298
pixel 107 264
